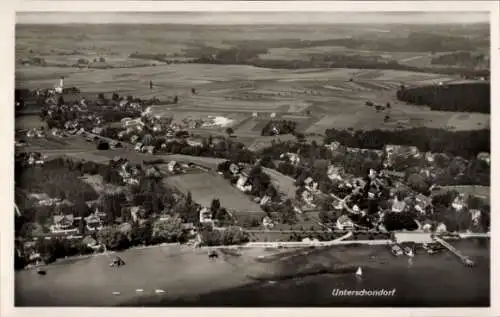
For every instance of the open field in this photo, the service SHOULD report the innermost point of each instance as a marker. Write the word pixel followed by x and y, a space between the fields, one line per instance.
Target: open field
pixel 53 144
pixel 206 186
pixel 317 97
pixel 325 93
pixel 28 122
pixel 284 184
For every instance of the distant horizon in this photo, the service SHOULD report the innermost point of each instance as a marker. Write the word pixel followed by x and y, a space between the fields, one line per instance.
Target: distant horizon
pixel 250 18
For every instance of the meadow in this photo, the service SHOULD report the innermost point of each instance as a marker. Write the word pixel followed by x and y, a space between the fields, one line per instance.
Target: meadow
pixel 324 97
pixel 205 187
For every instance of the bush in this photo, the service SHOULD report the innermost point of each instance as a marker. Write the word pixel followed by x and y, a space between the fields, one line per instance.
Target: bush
pixel 394 221
pixel 113 238
pixel 230 236
pixel 103 145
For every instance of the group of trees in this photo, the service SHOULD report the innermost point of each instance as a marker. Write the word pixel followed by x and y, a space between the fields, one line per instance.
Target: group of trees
pixel 281 211
pixel 460 58
pixel 55 179
pixel 53 249
pixel 248 53
pixel 260 181
pixel 226 148
pixel 148 232
pixel 458 143
pixel 274 127
pixel 463 97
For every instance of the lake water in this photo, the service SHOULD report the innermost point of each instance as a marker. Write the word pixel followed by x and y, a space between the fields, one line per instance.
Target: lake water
pixel 442 282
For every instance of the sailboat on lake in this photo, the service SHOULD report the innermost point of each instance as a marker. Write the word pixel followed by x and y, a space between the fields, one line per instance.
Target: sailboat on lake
pixel 359 272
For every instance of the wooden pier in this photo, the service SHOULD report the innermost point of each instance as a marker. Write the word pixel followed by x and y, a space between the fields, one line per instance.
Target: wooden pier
pixel 465 259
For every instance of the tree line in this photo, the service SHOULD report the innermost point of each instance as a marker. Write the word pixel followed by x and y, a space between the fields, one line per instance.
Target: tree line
pixel 466 97
pixel 456 143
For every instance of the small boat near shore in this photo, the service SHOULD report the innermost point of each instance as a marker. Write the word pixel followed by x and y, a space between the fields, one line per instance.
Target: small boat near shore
pixel 396 250
pixel 409 251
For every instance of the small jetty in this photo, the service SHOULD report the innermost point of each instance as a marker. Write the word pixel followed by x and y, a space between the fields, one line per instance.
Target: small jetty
pixel 465 259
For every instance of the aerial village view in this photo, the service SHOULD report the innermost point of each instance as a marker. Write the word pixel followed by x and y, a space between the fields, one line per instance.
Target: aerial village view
pixel 251 165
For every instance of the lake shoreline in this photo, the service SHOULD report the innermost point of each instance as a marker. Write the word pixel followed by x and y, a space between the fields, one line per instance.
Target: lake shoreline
pixel 184 273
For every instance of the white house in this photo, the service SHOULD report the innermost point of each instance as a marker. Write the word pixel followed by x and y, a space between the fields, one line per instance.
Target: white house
pixel 344 223
pixel 398 206
pixel 267 222
pixel 205 215
pixel 138 146
pixel 173 167
pixel 63 224
pixel 97 130
pixel 134 138
pixel 308 197
pixel 429 157
pixel 333 173
pixel 475 216
pixel 242 185
pixel 333 146
pixel 459 202
pixel 265 200
pixel 441 228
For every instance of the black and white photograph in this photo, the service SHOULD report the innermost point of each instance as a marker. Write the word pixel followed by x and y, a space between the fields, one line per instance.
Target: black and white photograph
pixel 252 159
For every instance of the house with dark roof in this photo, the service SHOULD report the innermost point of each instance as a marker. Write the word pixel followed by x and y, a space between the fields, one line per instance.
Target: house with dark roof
pixel 63 224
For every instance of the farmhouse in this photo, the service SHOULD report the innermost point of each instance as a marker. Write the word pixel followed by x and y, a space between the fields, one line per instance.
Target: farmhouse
pixel 485 157
pixel 242 184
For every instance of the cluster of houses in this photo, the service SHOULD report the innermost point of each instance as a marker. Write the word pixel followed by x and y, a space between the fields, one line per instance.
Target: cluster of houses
pixel 35 133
